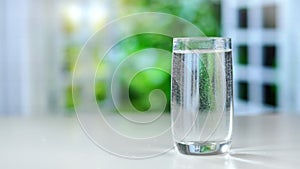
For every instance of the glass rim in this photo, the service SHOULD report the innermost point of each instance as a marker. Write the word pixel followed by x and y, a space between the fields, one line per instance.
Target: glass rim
pixel 201 38
pixel 201 43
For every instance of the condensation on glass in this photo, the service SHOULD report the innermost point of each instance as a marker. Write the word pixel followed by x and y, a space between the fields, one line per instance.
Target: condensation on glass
pixel 201 98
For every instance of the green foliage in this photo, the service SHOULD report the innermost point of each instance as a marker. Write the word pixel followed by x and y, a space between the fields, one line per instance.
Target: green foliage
pixel 146 81
pixel 206 70
pixel 202 13
pixel 70 54
pixel 70 91
pixel 100 90
pixel 205 14
pixel 207 148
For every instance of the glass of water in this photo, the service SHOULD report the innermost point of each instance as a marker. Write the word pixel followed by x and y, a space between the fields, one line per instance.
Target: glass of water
pixel 201 98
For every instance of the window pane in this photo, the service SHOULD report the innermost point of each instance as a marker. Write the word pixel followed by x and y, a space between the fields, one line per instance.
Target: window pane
pixel 269 16
pixel 243 18
pixel 243 90
pixel 269 56
pixel 270 94
pixel 243 54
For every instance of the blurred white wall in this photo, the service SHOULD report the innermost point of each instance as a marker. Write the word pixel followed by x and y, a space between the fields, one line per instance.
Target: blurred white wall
pixel 32 46
pixel 29 56
pixel 14 68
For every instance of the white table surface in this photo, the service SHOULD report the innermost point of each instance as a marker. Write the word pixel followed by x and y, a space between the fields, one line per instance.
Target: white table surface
pixel 59 142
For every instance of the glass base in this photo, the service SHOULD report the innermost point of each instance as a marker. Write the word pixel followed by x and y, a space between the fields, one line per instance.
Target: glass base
pixel 203 148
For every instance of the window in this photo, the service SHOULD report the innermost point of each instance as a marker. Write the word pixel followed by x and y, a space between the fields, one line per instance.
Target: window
pixel 269 56
pixel 243 54
pixel 269 16
pixel 270 94
pixel 243 18
pixel 243 90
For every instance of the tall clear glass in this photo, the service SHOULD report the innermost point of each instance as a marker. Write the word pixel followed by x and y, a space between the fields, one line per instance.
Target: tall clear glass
pixel 202 95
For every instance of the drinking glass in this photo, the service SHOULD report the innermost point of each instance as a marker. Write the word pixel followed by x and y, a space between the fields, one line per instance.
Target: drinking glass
pixel 202 95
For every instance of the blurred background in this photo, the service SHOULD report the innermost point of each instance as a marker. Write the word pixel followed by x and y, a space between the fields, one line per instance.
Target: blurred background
pixel 41 39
